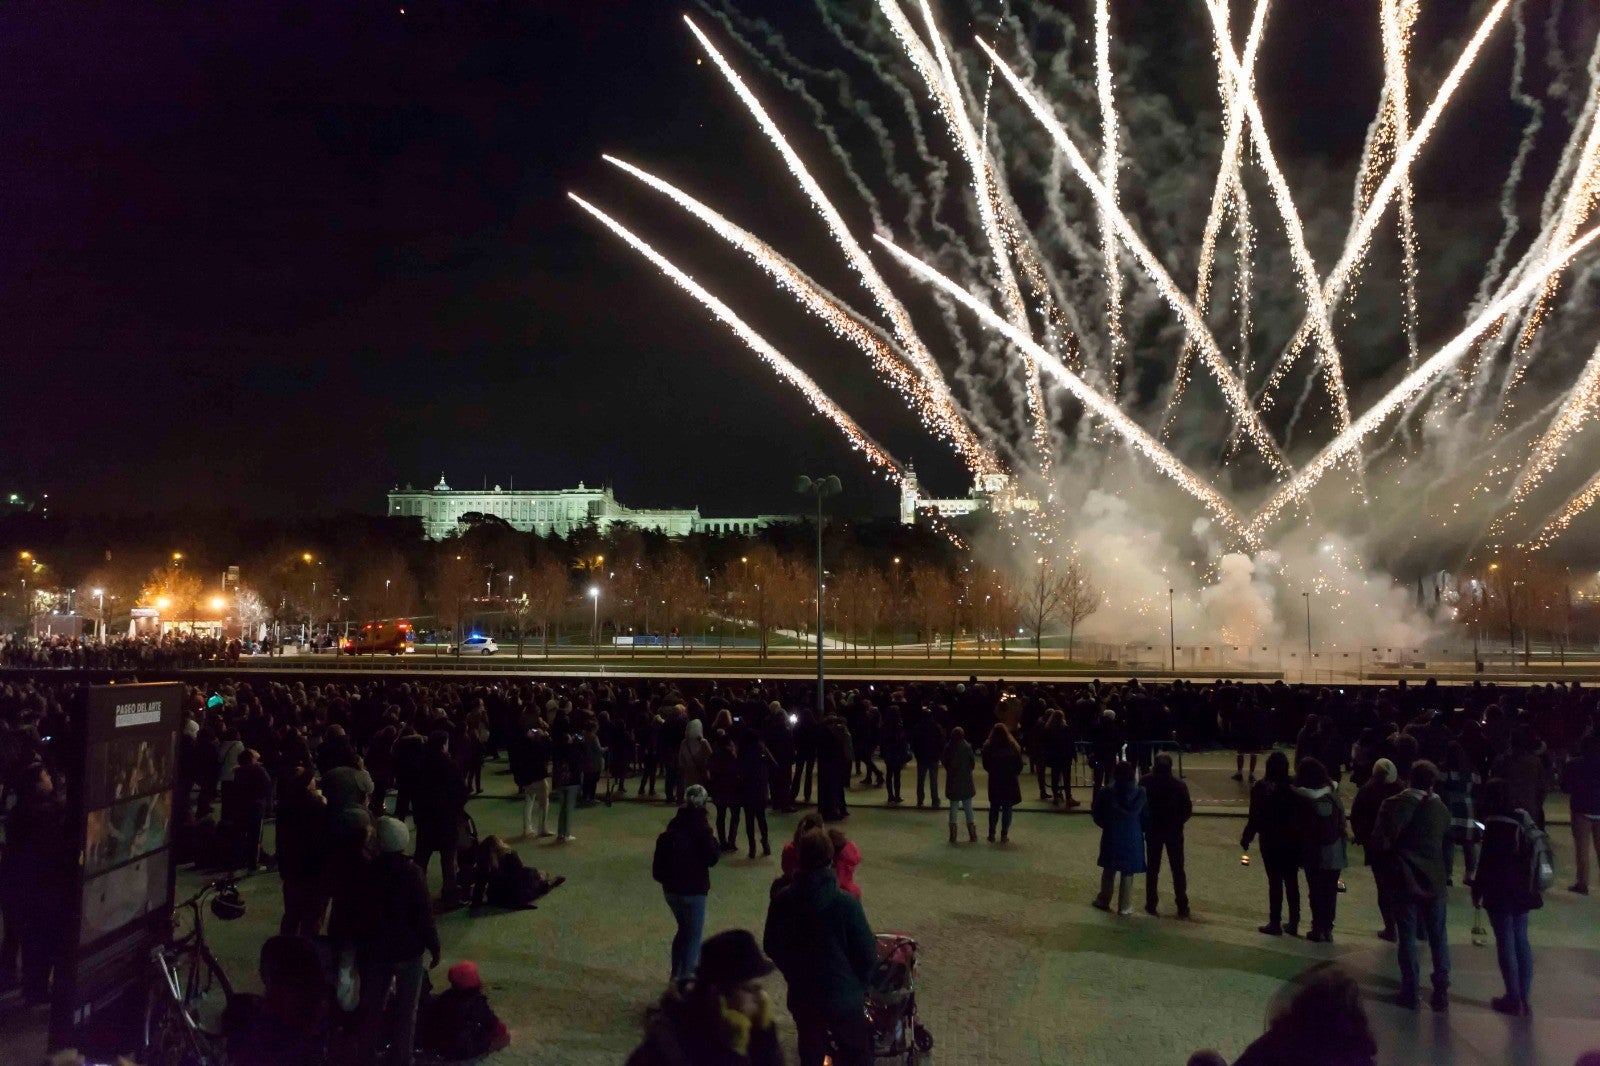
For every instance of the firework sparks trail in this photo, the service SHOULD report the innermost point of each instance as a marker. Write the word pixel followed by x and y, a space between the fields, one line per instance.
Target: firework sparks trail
pixel 1229 187
pixel 899 319
pixel 1108 178
pixel 1398 17
pixel 1232 389
pixel 842 319
pixel 1305 266
pixel 1097 402
pixel 1576 409
pixel 859 439
pixel 940 76
pixel 1360 235
pixel 1511 218
pixel 1413 383
pixel 1558 520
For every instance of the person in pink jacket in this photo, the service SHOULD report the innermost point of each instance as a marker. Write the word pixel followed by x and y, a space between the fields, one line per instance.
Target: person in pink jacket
pixel 846 856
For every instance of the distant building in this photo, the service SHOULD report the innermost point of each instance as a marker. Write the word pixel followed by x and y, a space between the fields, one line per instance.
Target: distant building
pixel 990 492
pixel 558 511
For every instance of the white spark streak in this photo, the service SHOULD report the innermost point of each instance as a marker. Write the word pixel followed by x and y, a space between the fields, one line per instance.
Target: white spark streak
pixel 1232 389
pixel 1413 383
pixel 944 417
pixel 859 439
pixel 1098 403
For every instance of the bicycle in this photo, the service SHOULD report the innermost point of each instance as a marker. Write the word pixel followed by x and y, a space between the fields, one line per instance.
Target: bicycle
pixel 189 991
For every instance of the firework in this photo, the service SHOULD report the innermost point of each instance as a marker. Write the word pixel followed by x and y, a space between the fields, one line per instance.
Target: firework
pixel 859 440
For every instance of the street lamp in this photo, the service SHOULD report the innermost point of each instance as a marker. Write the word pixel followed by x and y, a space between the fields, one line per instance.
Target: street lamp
pixel 1307 597
pixel 821 488
pixel 1172 636
pixel 100 611
pixel 594 634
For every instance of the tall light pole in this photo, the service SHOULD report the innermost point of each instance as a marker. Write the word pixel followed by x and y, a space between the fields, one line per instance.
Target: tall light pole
pixel 821 488
pixel 1307 597
pixel 1172 635
pixel 594 641
pixel 100 611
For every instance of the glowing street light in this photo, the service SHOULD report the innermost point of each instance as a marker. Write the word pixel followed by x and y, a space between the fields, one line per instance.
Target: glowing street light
pixel 218 603
pixel 594 634
pixel 305 557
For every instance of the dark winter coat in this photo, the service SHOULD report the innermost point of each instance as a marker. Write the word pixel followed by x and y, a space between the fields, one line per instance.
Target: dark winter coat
pixel 302 839
pixel 1364 811
pixel 439 793
pixel 396 923
pixel 1122 811
pixel 1581 781
pixel 1003 762
pixel 725 776
pixel 685 853
pixel 530 758
pixel 1322 829
pixel 1170 805
pixel 958 764
pixel 818 935
pixel 683 1032
pixel 755 772
pixel 927 739
pixel 1412 825
pixel 1274 817
pixel 1525 776
pixel 1502 880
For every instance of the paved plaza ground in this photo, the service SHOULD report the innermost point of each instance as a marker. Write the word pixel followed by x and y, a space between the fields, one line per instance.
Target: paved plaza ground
pixel 1016 966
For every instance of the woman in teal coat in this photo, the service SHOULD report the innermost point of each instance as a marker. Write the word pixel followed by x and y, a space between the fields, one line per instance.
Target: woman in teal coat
pixel 1122 811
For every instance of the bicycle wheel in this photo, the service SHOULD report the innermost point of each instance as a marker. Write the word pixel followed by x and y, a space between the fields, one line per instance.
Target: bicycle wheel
pixel 187 1030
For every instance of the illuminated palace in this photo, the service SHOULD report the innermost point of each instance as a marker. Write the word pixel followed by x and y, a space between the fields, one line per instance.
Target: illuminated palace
pixel 561 511
pixel 558 511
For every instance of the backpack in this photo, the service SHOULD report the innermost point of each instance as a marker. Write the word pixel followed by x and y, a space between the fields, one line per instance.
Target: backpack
pixel 1535 857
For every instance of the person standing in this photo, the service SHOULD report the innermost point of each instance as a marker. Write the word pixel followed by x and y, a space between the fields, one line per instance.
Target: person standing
pixel 41 860
pixel 805 755
pixel 529 757
pixel 694 755
pixel 835 754
pixel 1322 845
pixel 1522 768
pixel 302 844
pixel 818 935
pixel 397 930
pixel 439 797
pixel 895 747
pixel 927 746
pixel 1384 782
pixel 1122 811
pixel 1107 740
pixel 1457 782
pixel 566 775
pixel 959 787
pixel 1581 780
pixel 1410 834
pixel 756 770
pixel 1502 887
pixel 724 784
pixel 1002 760
pixel 685 853
pixel 1274 817
pixel 778 735
pixel 1170 808
pixel 1060 749
pixel 245 805
pixel 669 743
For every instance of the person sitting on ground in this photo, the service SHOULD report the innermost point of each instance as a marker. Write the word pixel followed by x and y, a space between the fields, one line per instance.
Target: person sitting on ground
pixel 722 1017
pixel 846 856
pixel 459 1023
pixel 501 879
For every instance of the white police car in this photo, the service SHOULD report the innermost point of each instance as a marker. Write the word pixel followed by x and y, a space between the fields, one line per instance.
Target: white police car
pixel 477 645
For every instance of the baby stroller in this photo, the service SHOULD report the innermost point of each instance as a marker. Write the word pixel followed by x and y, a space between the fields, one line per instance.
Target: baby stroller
pixel 892 1001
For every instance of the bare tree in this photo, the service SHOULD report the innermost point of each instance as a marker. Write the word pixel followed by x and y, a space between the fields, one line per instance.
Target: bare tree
pixel 1080 599
pixel 548 589
pixel 930 593
pixel 1043 601
pixel 455 580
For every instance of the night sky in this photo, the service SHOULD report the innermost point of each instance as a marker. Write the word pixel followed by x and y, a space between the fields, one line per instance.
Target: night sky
pixel 281 256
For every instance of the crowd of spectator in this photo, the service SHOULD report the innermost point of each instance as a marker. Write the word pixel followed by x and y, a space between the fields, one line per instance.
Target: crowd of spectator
pixel 333 760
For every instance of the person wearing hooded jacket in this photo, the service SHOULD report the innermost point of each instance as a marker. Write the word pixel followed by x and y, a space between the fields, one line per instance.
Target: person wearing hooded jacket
pixel 1322 845
pixel 1502 888
pixel 1274 817
pixel 1383 783
pixel 959 788
pixel 685 853
pixel 1002 760
pixel 722 1017
pixel 1122 811
pixel 694 756
pixel 818 935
